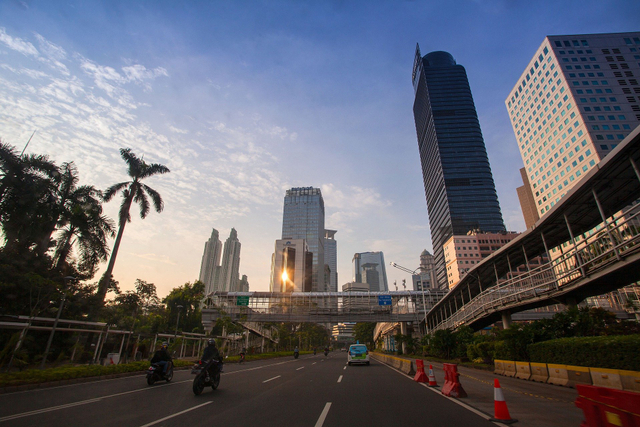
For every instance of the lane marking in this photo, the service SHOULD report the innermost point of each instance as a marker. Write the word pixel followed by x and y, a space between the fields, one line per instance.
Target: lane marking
pixel 271 379
pixel 175 415
pixel 345 368
pixel 340 379
pixel 301 367
pixel 314 363
pixel 323 415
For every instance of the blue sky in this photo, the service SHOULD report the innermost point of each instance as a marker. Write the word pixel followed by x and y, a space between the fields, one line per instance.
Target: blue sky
pixel 243 100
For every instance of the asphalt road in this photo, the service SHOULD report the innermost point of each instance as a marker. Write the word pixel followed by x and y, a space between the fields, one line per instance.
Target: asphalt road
pixel 310 391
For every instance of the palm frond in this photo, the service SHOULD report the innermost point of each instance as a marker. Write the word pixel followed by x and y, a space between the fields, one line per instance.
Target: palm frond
pixel 113 190
pixel 158 203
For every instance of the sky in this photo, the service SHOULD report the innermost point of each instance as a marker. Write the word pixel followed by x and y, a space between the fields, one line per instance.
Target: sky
pixel 243 100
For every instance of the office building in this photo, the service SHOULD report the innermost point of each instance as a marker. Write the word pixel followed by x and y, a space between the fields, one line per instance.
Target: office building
pixel 527 202
pixel 576 99
pixel 228 277
pixel 303 218
pixel 243 284
pixel 210 261
pixel 376 258
pixel 292 266
pixel 459 187
pixel 343 332
pixel 426 277
pixel 331 259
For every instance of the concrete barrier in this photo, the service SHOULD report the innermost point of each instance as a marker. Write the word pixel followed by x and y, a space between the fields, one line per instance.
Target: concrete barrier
pixel 609 378
pixel 578 375
pixel 558 374
pixel 630 380
pixel 539 372
pixel 498 367
pixel 509 368
pixel 523 370
pixel 403 365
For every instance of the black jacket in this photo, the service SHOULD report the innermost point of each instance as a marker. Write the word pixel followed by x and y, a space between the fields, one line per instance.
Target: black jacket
pixel 160 355
pixel 211 352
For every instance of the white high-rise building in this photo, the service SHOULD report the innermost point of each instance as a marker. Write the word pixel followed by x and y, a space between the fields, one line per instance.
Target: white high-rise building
pixel 210 260
pixel 228 277
pixel 575 101
pixel 377 258
pixel 331 258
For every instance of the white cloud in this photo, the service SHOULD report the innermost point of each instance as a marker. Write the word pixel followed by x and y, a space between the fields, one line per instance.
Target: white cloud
pixel 177 130
pixel 17 44
pixel 51 50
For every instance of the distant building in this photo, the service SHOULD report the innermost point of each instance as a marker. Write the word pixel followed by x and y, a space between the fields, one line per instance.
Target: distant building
pixel 243 284
pixel 303 218
pixel 527 202
pixel 426 277
pixel 370 275
pixel 344 332
pixel 459 187
pixel 356 302
pixel 331 259
pixel 210 260
pixel 376 258
pixel 228 276
pixel 292 266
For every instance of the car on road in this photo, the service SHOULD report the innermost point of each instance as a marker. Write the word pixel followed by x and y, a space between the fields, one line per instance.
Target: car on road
pixel 358 353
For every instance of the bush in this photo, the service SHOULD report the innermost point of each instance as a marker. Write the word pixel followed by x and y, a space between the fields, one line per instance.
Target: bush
pixel 613 352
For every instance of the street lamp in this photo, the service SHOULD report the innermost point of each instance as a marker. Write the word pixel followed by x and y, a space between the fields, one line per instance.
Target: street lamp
pixel 55 323
pixel 175 334
pixel 424 306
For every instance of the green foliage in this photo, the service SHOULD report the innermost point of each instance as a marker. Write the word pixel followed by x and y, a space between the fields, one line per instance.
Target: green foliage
pixel 188 296
pixel 613 352
pixel 363 332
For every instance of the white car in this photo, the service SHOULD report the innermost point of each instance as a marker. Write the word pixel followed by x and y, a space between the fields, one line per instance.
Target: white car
pixel 358 353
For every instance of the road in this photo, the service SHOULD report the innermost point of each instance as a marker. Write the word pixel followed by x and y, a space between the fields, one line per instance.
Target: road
pixel 310 391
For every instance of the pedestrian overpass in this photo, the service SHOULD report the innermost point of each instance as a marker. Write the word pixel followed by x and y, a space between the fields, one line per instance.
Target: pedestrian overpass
pixel 591 239
pixel 319 307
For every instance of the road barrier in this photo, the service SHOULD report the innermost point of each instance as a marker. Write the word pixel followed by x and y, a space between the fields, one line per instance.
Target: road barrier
pixel 578 375
pixel 420 377
pixel 452 386
pixel 509 368
pixel 606 378
pixel 498 367
pixel 523 370
pixel 608 407
pixel 558 374
pixel 630 380
pixel 403 365
pixel 539 372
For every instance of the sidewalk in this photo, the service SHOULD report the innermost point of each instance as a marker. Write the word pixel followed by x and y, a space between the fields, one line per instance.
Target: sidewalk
pixel 532 404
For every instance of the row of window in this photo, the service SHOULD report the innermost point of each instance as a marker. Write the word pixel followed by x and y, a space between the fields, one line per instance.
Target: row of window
pixel 570 43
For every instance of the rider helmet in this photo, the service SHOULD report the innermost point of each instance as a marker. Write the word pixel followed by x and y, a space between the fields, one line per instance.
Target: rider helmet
pixel 165 345
pixel 212 341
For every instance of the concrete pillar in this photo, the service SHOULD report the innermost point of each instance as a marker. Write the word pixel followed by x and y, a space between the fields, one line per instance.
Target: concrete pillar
pixel 262 346
pixel 571 302
pixel 403 331
pixel 506 319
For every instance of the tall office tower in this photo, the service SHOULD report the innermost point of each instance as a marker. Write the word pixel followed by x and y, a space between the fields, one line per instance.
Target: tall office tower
pixel 243 284
pixel 228 276
pixel 303 218
pixel 377 258
pixel 458 183
pixel 370 276
pixel 331 258
pixel 575 101
pixel 527 202
pixel 291 266
pixel 210 260
pixel 426 279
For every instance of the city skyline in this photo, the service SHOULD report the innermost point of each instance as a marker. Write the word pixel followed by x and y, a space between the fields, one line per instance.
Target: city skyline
pixel 243 103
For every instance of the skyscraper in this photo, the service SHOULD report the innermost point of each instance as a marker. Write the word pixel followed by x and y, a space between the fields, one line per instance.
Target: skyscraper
pixel 303 218
pixel 331 258
pixel 458 183
pixel 291 266
pixel 210 260
pixel 376 259
pixel 575 101
pixel 228 277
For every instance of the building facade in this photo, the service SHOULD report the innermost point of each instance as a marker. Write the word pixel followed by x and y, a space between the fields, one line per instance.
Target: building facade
pixel 576 99
pixel 459 187
pixel 331 259
pixel 377 258
pixel 228 277
pixel 210 261
pixel 527 202
pixel 303 218
pixel 426 277
pixel 292 266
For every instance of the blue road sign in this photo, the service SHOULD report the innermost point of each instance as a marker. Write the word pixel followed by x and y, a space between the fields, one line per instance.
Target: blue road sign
pixel 384 299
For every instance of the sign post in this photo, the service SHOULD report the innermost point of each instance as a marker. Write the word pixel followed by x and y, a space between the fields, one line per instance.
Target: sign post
pixel 384 299
pixel 242 300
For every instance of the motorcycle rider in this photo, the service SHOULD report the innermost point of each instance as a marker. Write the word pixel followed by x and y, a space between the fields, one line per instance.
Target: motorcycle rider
pixel 162 357
pixel 211 353
pixel 296 352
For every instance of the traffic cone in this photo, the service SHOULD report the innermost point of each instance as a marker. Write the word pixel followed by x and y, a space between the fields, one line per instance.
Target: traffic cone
pixel 501 413
pixel 432 378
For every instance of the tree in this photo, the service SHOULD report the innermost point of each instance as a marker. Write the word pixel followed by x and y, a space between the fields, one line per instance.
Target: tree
pixel 363 332
pixel 189 297
pixel 132 191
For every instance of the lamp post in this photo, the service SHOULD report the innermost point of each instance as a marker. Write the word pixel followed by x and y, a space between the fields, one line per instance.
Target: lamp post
pixel 55 322
pixel 175 334
pixel 424 306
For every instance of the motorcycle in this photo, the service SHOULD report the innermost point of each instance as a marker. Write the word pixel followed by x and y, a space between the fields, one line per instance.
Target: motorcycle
pixel 204 378
pixel 326 352
pixel 154 373
pixel 296 354
pixel 242 358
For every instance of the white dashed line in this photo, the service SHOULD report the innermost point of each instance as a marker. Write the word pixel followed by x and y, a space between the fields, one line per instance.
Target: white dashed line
pixel 301 367
pixel 323 415
pixel 340 379
pixel 271 379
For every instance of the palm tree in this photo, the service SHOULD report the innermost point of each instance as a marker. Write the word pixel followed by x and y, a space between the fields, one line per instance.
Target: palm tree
pixel 132 191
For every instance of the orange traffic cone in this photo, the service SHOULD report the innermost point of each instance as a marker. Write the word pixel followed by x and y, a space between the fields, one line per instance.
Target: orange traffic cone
pixel 432 377
pixel 501 413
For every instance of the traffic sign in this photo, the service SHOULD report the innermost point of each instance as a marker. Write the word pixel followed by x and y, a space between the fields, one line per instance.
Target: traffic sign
pixel 242 300
pixel 384 299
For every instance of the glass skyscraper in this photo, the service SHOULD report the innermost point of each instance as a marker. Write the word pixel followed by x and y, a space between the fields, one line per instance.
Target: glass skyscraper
pixel 303 218
pixel 458 183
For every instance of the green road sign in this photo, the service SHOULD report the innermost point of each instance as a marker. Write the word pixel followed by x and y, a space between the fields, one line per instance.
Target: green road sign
pixel 242 300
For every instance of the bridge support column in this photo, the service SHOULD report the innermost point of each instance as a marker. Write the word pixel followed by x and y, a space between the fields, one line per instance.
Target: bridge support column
pixel 506 319
pixel 403 331
pixel 571 302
